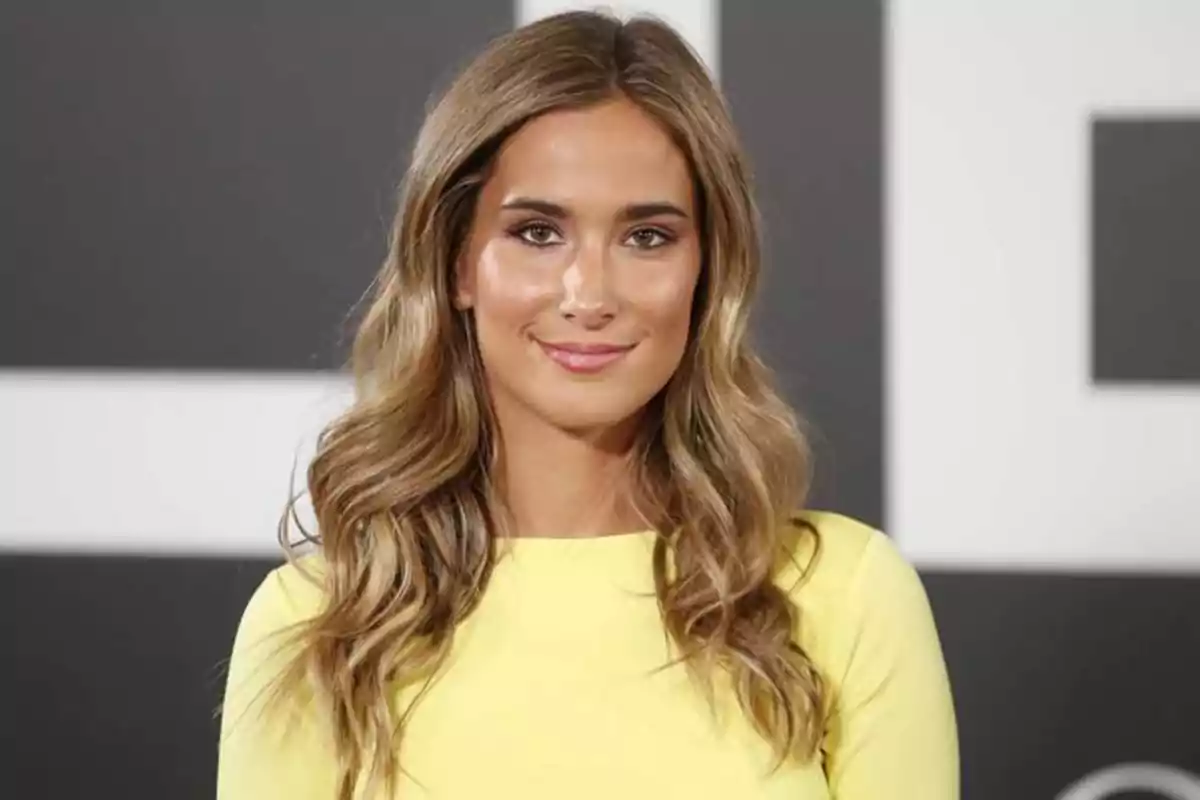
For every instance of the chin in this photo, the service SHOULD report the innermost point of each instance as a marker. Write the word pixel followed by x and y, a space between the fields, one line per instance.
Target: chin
pixel 584 420
pixel 591 412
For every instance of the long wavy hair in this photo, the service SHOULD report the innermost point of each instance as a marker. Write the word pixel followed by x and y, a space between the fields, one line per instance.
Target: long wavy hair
pixel 403 484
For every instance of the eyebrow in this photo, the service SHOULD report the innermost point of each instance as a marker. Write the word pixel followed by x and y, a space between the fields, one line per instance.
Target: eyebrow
pixel 629 213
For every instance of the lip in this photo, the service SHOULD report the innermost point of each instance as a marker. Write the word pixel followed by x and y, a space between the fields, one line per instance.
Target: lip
pixel 584 357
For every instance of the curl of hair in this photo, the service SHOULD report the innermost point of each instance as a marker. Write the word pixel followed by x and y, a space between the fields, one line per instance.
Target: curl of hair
pixel 401 484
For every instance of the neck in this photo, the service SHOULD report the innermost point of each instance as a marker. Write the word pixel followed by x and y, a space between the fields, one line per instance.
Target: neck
pixel 561 484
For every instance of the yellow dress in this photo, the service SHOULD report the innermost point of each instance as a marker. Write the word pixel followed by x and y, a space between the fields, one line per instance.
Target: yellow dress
pixel 547 693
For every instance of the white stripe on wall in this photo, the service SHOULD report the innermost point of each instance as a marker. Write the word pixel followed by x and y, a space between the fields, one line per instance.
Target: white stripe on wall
pixel 157 463
pixel 1001 454
pixel 697 20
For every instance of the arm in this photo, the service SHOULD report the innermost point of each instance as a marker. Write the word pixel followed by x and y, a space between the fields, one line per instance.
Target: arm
pixel 892 732
pixel 268 752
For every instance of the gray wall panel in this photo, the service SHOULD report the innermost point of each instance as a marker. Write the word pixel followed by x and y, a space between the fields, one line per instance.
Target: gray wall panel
pixel 112 669
pixel 806 84
pixel 1145 250
pixel 204 186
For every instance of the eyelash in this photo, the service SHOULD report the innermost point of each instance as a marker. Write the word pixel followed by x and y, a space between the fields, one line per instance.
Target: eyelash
pixel 665 236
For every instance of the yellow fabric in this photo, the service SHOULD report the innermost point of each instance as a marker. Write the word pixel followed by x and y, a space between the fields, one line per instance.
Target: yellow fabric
pixel 547 694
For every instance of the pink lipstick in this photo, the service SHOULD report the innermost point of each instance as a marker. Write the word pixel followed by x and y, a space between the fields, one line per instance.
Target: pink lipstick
pixel 584 357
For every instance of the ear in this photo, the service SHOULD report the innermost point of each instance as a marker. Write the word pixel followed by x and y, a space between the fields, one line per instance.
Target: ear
pixel 464 284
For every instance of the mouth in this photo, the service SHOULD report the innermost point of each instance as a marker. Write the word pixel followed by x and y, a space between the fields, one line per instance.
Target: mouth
pixel 581 357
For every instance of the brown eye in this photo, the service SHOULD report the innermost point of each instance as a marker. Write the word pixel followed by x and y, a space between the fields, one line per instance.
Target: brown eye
pixel 649 238
pixel 538 234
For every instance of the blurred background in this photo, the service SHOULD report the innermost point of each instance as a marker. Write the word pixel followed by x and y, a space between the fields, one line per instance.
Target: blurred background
pixel 983 238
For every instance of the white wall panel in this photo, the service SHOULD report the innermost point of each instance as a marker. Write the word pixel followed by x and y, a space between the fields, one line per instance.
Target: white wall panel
pixel 1001 452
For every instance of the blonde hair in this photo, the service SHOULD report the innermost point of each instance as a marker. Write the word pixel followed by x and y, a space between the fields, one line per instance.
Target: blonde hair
pixel 402 483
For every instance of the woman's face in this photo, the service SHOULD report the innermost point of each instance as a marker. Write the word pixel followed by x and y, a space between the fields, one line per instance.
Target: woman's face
pixel 581 266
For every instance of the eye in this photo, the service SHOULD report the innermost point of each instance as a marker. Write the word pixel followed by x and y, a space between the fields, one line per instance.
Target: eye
pixel 650 238
pixel 538 234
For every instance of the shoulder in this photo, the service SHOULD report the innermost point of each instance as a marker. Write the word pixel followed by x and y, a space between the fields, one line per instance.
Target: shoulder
pixel 295 588
pixel 827 552
pixel 288 595
pixel 866 623
pixel 273 740
pixel 851 584
pixel 290 592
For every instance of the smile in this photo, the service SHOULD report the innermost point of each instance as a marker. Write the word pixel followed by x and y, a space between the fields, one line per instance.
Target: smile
pixel 584 357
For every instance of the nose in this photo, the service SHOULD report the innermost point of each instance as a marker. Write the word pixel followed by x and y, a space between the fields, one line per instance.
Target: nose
pixel 586 296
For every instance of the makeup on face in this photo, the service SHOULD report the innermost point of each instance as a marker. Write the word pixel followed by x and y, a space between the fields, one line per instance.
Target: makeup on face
pixel 582 263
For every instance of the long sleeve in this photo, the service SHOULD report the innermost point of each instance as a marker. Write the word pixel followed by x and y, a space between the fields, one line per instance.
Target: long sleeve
pixel 277 751
pixel 893 732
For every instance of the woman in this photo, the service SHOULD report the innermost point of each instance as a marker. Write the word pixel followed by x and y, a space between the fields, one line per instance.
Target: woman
pixel 559 553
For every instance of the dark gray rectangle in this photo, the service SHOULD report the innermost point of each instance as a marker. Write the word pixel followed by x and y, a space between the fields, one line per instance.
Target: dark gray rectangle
pixel 1146 250
pixel 207 186
pixel 805 81
pixel 1056 676
pixel 113 668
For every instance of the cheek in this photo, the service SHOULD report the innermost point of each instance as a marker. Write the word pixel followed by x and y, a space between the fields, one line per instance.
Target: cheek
pixel 510 291
pixel 665 301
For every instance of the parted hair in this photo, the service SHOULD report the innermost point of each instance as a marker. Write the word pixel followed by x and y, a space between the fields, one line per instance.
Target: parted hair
pixel 404 484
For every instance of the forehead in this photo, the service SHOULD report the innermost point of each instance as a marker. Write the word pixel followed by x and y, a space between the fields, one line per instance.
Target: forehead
pixel 610 152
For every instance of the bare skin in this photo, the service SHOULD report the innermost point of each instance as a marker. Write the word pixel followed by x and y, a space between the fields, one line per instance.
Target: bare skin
pixel 580 270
